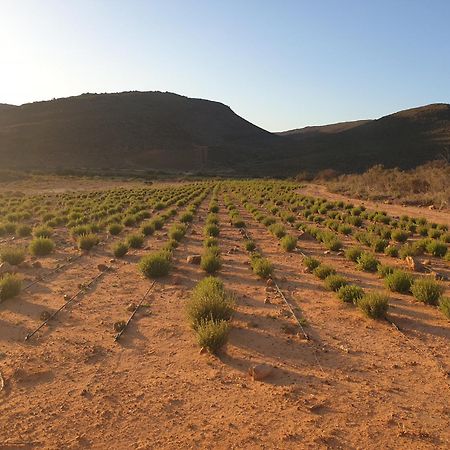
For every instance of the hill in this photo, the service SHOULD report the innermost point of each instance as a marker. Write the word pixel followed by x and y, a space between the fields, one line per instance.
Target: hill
pixel 132 130
pixel 405 139
pixel 155 130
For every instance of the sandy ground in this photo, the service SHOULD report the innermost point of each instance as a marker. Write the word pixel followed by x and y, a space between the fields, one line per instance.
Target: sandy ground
pixel 355 384
pixel 317 190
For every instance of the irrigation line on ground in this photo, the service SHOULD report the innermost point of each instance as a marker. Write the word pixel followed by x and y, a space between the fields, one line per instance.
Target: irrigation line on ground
pixel 70 300
pixel 117 336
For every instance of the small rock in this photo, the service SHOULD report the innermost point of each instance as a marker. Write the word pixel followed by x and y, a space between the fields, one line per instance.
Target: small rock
pixel 267 301
pixel 131 307
pixel 260 372
pixel 66 297
pixel 119 326
pixel 36 264
pixel 426 262
pixel 194 259
pixel 203 350
pixel 269 282
pixel 431 207
pixel 413 264
pixel 112 260
pixel 102 267
pixel 327 252
pixel 24 265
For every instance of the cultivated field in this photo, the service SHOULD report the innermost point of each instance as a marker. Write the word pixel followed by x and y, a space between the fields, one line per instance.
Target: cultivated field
pixel 233 314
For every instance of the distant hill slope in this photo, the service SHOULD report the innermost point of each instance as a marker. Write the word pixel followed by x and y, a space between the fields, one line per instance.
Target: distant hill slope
pixel 134 130
pixel 155 130
pixel 404 139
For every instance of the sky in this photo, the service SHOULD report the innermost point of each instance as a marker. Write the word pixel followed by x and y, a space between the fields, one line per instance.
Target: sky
pixel 279 64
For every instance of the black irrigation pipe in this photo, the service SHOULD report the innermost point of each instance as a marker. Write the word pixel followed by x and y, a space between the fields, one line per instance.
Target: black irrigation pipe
pixel 57 269
pixel 117 336
pixel 70 300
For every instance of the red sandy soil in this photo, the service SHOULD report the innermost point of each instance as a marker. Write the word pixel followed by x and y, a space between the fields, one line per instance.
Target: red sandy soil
pixel 356 384
pixel 317 190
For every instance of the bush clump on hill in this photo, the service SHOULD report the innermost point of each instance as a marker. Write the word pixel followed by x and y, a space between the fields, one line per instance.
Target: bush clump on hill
pixel 41 246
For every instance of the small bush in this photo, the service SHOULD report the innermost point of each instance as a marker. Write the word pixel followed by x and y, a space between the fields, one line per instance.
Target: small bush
pixel 399 236
pixel 379 245
pixel 210 261
pixel 120 249
pixel 384 270
pixel 115 228
pixel 23 230
pixel 353 253
pixel 41 246
pixel 345 229
pixel 187 217
pixel 87 241
pixel 250 246
pixel 262 267
pixel 155 265
pixel 10 286
pixel 437 248
pixel 212 334
pixel 311 263
pixel 427 290
pixel 157 223
pixel 399 281
pixel 209 301
pixel 135 240
pixel 277 230
pixel 288 243
pixel 333 244
pixel 147 229
pixel 212 230
pixel 391 251
pixel 177 232
pixel 323 271
pixel 444 306
pixel 238 223
pixel 12 255
pixel 367 262
pixel 374 305
pixel 335 282
pixel 350 293
pixel 210 242
pixel 42 232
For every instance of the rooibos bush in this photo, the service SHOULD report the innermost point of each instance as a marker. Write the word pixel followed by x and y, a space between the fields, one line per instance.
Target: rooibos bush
pixel 288 243
pixel 155 265
pixel 427 290
pixel 374 305
pixel 41 246
pixel 12 255
pixel 399 281
pixel 350 293
pixel 10 286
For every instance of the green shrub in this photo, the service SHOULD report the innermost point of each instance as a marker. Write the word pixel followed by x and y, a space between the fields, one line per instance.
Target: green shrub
pixel 391 251
pixel 323 271
pixel 399 236
pixel 115 228
pixel 212 334
pixel 345 229
pixel 444 306
pixel 399 281
pixel 353 253
pixel 374 305
pixel 10 286
pixel 437 248
pixel 350 293
pixel 427 290
pixel 157 223
pixel 238 223
pixel 135 240
pixel 42 232
pixel 378 245
pixel 120 249
pixel 155 265
pixel 250 246
pixel 209 301
pixel 23 230
pixel 367 262
pixel 335 282
pixel 210 242
pixel 187 217
pixel 261 266
pixel 277 230
pixel 384 270
pixel 311 263
pixel 333 244
pixel 210 261
pixel 288 243
pixel 41 246
pixel 212 230
pixel 177 232
pixel 12 255
pixel 214 208
pixel 147 229
pixel 87 241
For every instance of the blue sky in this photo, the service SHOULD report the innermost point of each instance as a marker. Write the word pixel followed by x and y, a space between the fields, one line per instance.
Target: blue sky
pixel 279 64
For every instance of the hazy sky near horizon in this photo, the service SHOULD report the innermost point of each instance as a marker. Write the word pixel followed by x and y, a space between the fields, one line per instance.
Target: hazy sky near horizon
pixel 279 64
